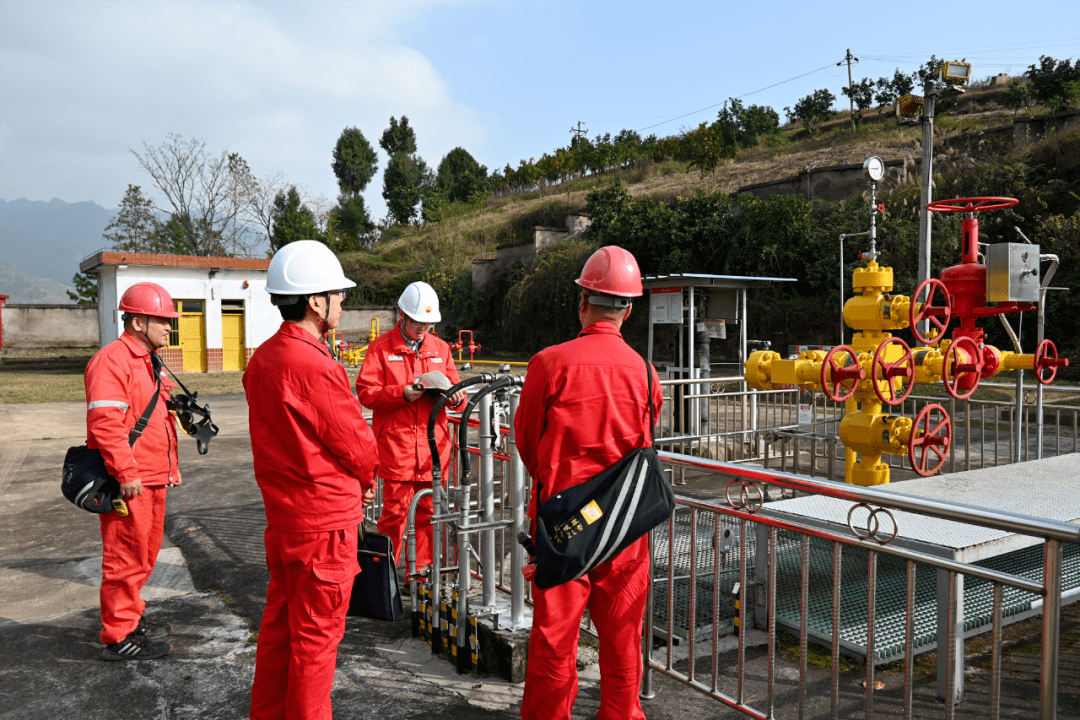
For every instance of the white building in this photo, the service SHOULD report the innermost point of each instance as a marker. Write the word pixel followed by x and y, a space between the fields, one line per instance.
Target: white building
pixel 225 310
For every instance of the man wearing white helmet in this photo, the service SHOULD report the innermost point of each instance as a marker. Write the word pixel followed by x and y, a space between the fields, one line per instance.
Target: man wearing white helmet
pixel 315 465
pixel 388 385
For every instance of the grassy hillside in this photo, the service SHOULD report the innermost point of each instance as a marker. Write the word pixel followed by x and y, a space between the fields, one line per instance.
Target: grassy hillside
pixel 967 163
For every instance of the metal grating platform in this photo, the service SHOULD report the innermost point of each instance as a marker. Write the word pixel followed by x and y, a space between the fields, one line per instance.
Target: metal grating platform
pixel 1046 491
pixel 716 573
pixel 891 595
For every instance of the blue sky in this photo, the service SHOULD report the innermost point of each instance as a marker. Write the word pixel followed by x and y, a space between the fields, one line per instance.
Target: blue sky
pixel 84 82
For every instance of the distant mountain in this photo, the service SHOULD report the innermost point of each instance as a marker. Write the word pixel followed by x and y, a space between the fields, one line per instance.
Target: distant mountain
pixel 26 288
pixel 48 239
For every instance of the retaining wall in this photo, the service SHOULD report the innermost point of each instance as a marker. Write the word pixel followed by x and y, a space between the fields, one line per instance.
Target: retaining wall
pixel 41 326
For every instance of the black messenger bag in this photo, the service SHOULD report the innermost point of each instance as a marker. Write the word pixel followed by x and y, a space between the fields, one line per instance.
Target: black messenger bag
pixel 588 524
pixel 375 590
pixel 86 482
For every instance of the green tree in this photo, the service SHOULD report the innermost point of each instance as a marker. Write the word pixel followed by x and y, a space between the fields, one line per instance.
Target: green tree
pixel 1054 83
pixel 862 94
pixel 888 89
pixel 135 226
pixel 177 237
pixel 291 219
pixel 744 126
pixel 401 185
pixel 85 288
pixel 399 137
pixel 433 200
pixel 460 176
pixel 349 226
pixel 812 109
pixel 355 162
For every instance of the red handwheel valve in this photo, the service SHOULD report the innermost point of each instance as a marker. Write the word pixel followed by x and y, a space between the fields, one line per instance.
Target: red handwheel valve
pixel 839 382
pixel 1046 358
pixel 926 440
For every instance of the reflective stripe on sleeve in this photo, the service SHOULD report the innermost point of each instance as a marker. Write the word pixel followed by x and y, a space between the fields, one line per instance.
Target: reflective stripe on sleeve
pixel 107 403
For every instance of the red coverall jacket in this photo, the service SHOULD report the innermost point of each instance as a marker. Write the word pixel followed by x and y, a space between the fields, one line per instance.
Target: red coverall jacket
pixel 312 447
pixel 120 382
pixel 401 426
pixel 582 409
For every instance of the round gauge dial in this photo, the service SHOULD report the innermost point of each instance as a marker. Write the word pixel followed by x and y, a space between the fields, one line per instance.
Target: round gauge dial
pixel 874 167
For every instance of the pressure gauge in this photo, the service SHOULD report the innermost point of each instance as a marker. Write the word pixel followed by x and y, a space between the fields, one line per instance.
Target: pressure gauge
pixel 874 167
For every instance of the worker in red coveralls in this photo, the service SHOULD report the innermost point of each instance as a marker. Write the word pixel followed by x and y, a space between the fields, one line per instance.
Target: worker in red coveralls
pixel 315 463
pixel 121 380
pixel 400 413
pixel 584 406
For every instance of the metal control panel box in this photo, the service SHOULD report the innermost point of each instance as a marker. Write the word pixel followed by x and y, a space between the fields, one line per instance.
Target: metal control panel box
pixel 1012 272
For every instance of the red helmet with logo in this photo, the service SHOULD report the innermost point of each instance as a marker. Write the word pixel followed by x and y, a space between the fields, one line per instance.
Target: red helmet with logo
pixel 613 271
pixel 147 298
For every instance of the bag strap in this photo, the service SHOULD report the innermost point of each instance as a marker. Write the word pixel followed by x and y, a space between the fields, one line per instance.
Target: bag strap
pixel 144 419
pixel 652 414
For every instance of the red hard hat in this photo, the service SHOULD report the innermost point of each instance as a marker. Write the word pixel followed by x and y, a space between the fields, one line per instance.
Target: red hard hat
pixel 147 298
pixel 613 271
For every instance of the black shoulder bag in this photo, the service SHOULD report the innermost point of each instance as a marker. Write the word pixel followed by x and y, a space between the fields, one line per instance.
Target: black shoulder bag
pixel 588 524
pixel 86 482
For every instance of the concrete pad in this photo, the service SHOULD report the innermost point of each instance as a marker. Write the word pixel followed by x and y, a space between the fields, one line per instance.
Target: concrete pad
pixel 42 590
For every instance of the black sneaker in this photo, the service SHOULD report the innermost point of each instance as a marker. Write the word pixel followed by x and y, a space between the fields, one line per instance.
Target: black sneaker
pixel 134 647
pixel 151 631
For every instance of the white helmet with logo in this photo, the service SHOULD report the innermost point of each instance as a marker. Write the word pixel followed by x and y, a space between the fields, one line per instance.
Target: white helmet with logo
pixel 304 267
pixel 420 302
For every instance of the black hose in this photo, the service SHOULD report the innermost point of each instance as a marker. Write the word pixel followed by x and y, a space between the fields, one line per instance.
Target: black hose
pixel 500 382
pixel 436 461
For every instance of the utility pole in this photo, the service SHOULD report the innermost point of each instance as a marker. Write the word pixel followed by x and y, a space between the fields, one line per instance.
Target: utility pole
pixel 578 132
pixel 850 88
pixel 926 190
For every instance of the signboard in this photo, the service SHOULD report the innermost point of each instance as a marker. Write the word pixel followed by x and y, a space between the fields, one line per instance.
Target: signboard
pixel 665 304
pixel 806 412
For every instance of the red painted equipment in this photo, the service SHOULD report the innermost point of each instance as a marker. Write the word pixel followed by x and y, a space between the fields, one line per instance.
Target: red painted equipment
pixel 473 346
pixel 965 297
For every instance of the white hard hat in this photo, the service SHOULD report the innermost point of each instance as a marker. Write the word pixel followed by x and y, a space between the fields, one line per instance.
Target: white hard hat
pixel 305 267
pixel 420 302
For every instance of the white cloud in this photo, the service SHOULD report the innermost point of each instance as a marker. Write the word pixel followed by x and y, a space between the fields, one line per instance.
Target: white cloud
pixel 83 82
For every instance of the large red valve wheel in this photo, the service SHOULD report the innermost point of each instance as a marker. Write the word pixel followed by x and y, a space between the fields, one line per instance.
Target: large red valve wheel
pixel 884 372
pixel 937 315
pixel 975 204
pixel 957 371
pixel 839 382
pixel 926 441
pixel 1046 358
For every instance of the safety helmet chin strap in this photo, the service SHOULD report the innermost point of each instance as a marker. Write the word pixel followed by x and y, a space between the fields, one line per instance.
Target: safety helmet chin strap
pixel 325 329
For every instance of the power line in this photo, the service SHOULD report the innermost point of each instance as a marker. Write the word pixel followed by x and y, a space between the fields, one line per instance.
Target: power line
pixel 904 58
pixel 740 97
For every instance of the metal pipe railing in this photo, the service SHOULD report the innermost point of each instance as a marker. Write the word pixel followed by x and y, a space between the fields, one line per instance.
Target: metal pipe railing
pixel 1054 533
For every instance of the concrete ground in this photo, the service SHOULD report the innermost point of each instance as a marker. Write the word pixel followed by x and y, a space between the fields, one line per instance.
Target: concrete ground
pixel 210 585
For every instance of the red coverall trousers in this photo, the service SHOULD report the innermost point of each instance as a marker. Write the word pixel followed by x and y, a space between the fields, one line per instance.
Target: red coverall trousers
pixel 130 549
pixel 393 520
pixel 311 579
pixel 614 593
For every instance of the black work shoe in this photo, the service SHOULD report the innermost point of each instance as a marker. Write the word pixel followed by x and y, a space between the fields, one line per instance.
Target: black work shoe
pixel 151 631
pixel 134 647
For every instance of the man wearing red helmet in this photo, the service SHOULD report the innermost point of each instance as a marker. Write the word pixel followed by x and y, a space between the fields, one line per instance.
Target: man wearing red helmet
pixel 584 406
pixel 121 381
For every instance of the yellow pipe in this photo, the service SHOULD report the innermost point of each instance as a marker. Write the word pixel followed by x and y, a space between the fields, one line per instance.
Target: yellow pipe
pixel 497 362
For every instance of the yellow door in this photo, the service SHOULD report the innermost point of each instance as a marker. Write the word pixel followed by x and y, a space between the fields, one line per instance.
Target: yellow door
pixel 233 355
pixel 191 328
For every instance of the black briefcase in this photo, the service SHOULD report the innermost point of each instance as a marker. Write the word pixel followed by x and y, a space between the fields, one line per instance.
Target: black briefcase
pixel 375 590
